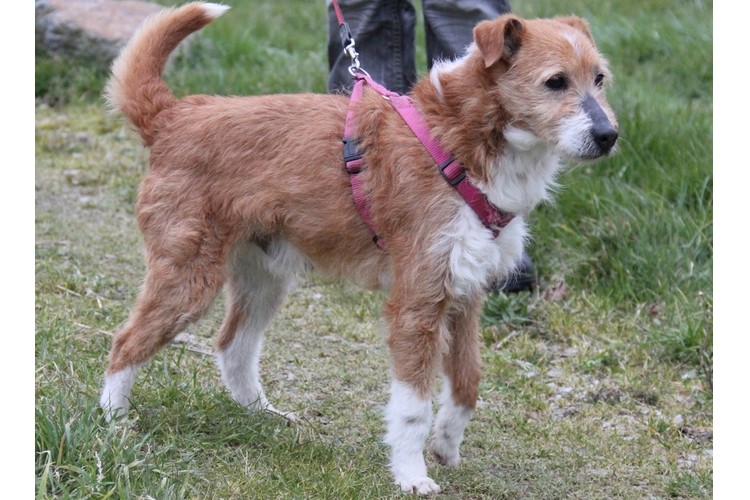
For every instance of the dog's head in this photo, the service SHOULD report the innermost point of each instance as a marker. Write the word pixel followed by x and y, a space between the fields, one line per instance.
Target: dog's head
pixel 550 79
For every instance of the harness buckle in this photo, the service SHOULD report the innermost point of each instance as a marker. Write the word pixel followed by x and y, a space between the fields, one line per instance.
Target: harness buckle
pixel 452 178
pixel 351 149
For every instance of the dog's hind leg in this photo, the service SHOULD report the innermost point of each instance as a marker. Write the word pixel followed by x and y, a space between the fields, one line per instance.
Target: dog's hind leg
pixel 461 374
pixel 256 289
pixel 183 279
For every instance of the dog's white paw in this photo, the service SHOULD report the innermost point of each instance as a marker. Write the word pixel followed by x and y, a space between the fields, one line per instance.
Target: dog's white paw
pixel 449 429
pixel 113 411
pixel 262 405
pixel 445 453
pixel 115 397
pixel 419 486
pixel 290 417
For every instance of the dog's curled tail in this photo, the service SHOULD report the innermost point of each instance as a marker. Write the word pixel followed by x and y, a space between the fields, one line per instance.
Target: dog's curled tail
pixel 136 86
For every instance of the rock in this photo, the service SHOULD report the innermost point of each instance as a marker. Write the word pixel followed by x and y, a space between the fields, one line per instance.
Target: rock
pixel 93 30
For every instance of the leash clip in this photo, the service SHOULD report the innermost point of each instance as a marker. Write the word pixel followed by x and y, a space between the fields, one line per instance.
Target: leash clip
pixel 350 51
pixel 347 41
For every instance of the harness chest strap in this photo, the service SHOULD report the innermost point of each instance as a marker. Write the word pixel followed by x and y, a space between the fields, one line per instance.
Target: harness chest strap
pixel 452 171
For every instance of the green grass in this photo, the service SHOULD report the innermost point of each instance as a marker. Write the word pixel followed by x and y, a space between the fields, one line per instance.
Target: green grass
pixel 599 385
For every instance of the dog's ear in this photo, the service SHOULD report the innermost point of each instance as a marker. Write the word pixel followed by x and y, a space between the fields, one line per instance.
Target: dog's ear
pixel 499 39
pixel 578 23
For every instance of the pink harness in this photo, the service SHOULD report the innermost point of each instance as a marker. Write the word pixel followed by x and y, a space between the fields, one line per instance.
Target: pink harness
pixel 452 171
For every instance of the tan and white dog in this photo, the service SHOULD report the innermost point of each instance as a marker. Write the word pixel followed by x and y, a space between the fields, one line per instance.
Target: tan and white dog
pixel 250 192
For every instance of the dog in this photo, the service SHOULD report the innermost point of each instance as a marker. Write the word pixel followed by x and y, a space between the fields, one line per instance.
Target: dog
pixel 247 194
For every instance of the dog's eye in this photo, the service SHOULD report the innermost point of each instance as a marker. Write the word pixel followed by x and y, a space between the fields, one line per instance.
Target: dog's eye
pixel 599 80
pixel 557 82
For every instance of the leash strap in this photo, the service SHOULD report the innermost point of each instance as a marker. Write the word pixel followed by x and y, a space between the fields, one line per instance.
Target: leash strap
pixel 344 32
pixel 347 39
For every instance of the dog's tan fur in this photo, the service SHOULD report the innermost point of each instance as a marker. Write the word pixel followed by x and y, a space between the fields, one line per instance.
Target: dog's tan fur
pixel 239 179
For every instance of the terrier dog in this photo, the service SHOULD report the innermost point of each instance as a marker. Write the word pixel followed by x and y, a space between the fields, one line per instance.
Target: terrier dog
pixel 247 193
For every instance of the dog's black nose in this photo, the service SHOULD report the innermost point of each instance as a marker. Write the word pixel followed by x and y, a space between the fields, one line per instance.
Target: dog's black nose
pixel 602 130
pixel 605 138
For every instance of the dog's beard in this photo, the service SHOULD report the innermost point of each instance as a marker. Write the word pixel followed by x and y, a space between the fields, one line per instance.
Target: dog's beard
pixel 576 142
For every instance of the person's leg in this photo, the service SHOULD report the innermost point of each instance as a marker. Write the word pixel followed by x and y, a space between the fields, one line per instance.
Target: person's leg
pixel 449 24
pixel 523 279
pixel 383 32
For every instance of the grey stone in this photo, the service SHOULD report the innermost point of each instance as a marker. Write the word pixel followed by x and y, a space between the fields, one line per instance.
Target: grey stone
pixel 94 30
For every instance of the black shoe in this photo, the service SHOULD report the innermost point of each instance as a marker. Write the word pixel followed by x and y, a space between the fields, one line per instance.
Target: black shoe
pixel 523 279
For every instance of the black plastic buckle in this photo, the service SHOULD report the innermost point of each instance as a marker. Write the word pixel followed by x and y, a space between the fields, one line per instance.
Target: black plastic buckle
pixel 453 182
pixel 351 149
pixel 352 153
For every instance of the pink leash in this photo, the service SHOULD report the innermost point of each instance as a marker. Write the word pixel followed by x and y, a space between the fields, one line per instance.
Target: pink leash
pixel 452 171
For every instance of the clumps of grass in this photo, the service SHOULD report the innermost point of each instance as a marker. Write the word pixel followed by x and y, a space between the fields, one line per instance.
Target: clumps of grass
pixel 64 81
pixel 510 309
pixel 79 455
pixel 691 343
pixel 603 361
pixel 689 485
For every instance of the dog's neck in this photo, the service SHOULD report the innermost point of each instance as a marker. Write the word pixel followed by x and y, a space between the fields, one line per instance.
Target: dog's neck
pixel 514 168
pixel 524 174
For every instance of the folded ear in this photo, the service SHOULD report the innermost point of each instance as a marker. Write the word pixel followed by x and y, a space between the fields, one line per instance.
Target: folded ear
pixel 499 39
pixel 578 23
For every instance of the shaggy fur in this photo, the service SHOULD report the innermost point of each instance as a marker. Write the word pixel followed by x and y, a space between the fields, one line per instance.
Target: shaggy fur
pixel 248 193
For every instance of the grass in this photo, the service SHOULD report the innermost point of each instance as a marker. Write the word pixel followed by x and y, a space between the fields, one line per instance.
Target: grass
pixel 598 385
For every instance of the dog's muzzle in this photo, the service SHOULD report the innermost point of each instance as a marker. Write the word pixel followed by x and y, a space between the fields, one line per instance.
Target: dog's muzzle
pixel 602 130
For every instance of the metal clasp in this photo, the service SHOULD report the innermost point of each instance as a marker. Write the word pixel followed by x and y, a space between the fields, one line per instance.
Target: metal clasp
pixel 352 53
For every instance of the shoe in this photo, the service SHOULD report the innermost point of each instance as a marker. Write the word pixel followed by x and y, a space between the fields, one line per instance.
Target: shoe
pixel 523 279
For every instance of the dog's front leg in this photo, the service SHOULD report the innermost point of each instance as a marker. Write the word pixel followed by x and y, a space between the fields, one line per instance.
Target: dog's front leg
pixel 408 417
pixel 416 342
pixel 461 374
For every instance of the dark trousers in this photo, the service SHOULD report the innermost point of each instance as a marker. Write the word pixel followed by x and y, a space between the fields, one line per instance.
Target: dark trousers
pixel 383 31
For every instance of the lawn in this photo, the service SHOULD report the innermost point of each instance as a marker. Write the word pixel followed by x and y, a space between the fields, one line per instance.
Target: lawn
pixel 597 385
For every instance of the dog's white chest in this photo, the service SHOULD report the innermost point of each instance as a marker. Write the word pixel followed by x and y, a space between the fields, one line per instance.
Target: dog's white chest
pixel 520 180
pixel 475 258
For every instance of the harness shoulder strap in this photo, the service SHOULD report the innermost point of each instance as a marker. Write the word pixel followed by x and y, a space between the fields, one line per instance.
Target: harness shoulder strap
pixel 354 164
pixel 452 171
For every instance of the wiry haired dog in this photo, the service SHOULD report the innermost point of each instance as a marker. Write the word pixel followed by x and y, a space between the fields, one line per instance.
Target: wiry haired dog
pixel 249 192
